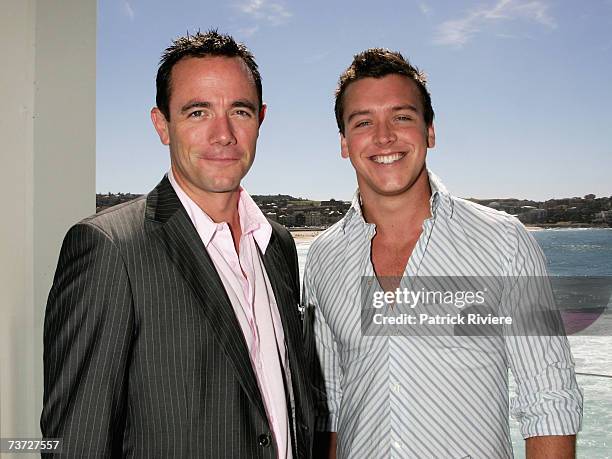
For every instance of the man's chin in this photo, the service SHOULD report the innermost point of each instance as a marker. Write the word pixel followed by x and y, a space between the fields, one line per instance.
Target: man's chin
pixel 392 186
pixel 224 190
pixel 388 189
pixel 224 187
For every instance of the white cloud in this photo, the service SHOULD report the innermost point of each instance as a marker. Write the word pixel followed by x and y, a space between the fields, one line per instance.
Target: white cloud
pixel 273 12
pixel 128 10
pixel 247 31
pixel 425 8
pixel 457 32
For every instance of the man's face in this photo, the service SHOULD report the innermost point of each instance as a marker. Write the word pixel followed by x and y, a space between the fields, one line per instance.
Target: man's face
pixel 385 134
pixel 214 123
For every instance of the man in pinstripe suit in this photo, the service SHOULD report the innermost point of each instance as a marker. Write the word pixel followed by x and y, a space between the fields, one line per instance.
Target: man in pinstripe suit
pixel 443 396
pixel 172 327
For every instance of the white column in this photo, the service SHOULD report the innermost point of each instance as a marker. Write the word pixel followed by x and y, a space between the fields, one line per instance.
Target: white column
pixel 47 176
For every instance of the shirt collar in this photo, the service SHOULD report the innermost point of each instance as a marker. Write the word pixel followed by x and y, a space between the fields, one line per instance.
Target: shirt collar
pixel 440 199
pixel 252 219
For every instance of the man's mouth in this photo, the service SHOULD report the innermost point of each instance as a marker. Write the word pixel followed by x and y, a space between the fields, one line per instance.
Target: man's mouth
pixel 388 159
pixel 221 158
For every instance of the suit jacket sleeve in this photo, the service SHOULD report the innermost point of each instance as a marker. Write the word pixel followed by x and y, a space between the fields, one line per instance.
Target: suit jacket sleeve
pixel 89 325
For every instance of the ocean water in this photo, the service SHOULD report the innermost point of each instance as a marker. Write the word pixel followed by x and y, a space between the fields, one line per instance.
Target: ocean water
pixel 573 252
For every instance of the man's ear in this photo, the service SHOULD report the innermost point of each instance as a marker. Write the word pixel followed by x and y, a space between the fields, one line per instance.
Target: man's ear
pixel 161 125
pixel 262 113
pixel 343 147
pixel 431 136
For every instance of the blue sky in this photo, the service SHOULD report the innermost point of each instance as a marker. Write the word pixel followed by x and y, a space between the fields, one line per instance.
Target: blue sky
pixel 522 89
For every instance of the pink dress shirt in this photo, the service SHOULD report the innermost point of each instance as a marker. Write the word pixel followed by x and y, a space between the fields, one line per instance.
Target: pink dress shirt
pixel 248 287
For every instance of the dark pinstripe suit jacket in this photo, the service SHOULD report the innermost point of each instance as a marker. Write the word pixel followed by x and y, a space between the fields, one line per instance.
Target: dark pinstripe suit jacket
pixel 143 355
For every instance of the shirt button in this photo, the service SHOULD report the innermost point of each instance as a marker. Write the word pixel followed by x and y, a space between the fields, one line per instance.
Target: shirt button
pixel 264 440
pixel 397 444
pixel 395 387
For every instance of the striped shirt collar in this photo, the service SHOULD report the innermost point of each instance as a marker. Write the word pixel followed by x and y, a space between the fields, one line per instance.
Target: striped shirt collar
pixel 440 202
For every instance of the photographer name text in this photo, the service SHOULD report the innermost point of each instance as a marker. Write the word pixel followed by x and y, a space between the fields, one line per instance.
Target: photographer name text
pixel 439 319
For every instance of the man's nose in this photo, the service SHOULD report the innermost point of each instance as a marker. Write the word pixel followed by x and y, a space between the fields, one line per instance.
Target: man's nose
pixel 384 134
pixel 221 131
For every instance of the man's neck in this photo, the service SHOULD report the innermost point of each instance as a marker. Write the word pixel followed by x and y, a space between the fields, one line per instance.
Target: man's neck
pixel 220 207
pixel 223 207
pixel 402 215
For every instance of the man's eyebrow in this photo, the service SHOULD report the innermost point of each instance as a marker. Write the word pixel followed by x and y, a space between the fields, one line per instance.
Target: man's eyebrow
pixel 409 107
pixel 244 103
pixel 194 104
pixel 396 108
pixel 357 113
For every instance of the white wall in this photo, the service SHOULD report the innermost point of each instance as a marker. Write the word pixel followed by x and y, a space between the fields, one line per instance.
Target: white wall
pixel 47 170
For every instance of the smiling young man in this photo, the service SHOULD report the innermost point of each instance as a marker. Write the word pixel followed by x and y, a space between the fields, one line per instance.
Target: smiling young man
pixel 422 396
pixel 172 327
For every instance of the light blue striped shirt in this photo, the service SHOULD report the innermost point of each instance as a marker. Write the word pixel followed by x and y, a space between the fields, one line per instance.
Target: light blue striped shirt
pixel 433 396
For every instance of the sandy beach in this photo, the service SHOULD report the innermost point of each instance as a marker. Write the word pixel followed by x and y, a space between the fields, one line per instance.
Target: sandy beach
pixel 304 235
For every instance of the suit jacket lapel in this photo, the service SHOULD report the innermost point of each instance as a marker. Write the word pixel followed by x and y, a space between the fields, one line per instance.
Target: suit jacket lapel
pixel 278 273
pixel 280 279
pixel 186 250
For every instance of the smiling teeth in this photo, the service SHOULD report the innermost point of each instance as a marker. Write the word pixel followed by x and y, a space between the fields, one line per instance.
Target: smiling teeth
pixel 387 159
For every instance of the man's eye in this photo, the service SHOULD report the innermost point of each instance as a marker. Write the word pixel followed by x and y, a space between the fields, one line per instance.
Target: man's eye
pixel 196 114
pixel 243 113
pixel 362 123
pixel 404 118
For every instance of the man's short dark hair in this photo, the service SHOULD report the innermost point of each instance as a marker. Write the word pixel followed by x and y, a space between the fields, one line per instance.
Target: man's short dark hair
pixel 211 43
pixel 377 63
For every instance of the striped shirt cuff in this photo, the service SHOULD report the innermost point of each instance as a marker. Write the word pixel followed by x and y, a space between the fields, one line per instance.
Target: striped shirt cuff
pixel 558 413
